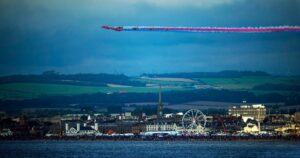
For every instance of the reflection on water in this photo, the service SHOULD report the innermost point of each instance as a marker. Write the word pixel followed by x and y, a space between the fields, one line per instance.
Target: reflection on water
pixel 147 149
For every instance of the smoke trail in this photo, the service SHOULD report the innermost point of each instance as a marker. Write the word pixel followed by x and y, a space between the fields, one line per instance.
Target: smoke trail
pixel 206 29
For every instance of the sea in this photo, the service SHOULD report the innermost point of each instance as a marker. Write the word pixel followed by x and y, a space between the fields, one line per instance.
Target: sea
pixel 147 149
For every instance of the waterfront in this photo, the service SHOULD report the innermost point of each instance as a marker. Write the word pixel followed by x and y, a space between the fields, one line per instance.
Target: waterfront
pixel 147 149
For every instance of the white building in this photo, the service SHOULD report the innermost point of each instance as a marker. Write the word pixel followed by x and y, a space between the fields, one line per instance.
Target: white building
pixel 81 130
pixel 251 128
pixel 162 126
pixel 255 111
pixel 6 132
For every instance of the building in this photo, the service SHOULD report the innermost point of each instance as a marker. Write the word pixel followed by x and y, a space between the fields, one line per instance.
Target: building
pixel 280 118
pixel 226 124
pixel 119 127
pixel 79 130
pixel 138 128
pixel 161 126
pixel 251 128
pixel 256 112
pixel 289 129
pixel 6 132
pixel 297 117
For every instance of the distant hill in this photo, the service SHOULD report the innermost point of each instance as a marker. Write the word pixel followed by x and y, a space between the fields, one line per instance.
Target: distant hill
pixel 103 79
pixel 103 88
pixel 227 73
pixel 171 97
pixel 71 79
pixel 277 87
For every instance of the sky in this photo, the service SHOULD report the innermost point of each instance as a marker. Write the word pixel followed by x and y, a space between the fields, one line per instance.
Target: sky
pixel 65 36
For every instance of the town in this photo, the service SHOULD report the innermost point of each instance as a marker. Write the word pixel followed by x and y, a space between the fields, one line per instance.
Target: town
pixel 244 121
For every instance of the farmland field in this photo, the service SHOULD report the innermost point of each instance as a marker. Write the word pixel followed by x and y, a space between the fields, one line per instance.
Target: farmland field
pixel 247 83
pixel 230 83
pixel 34 90
pixel 166 81
pixel 17 91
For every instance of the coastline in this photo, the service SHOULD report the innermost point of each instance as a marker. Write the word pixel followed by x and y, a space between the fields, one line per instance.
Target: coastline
pixel 174 138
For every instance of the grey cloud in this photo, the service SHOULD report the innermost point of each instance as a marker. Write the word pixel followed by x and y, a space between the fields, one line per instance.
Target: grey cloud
pixel 65 35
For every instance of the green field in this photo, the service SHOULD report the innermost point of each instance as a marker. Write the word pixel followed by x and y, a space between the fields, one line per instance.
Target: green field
pixel 247 83
pixel 164 83
pixel 34 90
pixel 234 83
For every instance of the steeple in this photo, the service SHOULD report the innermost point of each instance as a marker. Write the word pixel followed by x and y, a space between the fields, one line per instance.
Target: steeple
pixel 160 104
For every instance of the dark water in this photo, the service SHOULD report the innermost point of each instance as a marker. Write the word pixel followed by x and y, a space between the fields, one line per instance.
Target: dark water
pixel 151 149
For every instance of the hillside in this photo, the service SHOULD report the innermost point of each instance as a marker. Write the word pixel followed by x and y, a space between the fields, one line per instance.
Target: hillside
pixel 227 73
pixel 256 85
pixel 71 79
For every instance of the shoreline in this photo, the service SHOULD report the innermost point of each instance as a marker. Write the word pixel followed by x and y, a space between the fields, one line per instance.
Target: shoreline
pixel 170 139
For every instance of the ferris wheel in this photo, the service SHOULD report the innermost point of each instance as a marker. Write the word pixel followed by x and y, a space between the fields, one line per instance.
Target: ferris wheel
pixel 193 119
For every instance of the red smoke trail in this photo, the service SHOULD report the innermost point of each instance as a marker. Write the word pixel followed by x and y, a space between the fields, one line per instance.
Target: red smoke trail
pixel 206 29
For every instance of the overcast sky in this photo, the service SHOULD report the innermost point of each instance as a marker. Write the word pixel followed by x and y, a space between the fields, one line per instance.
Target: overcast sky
pixel 64 35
